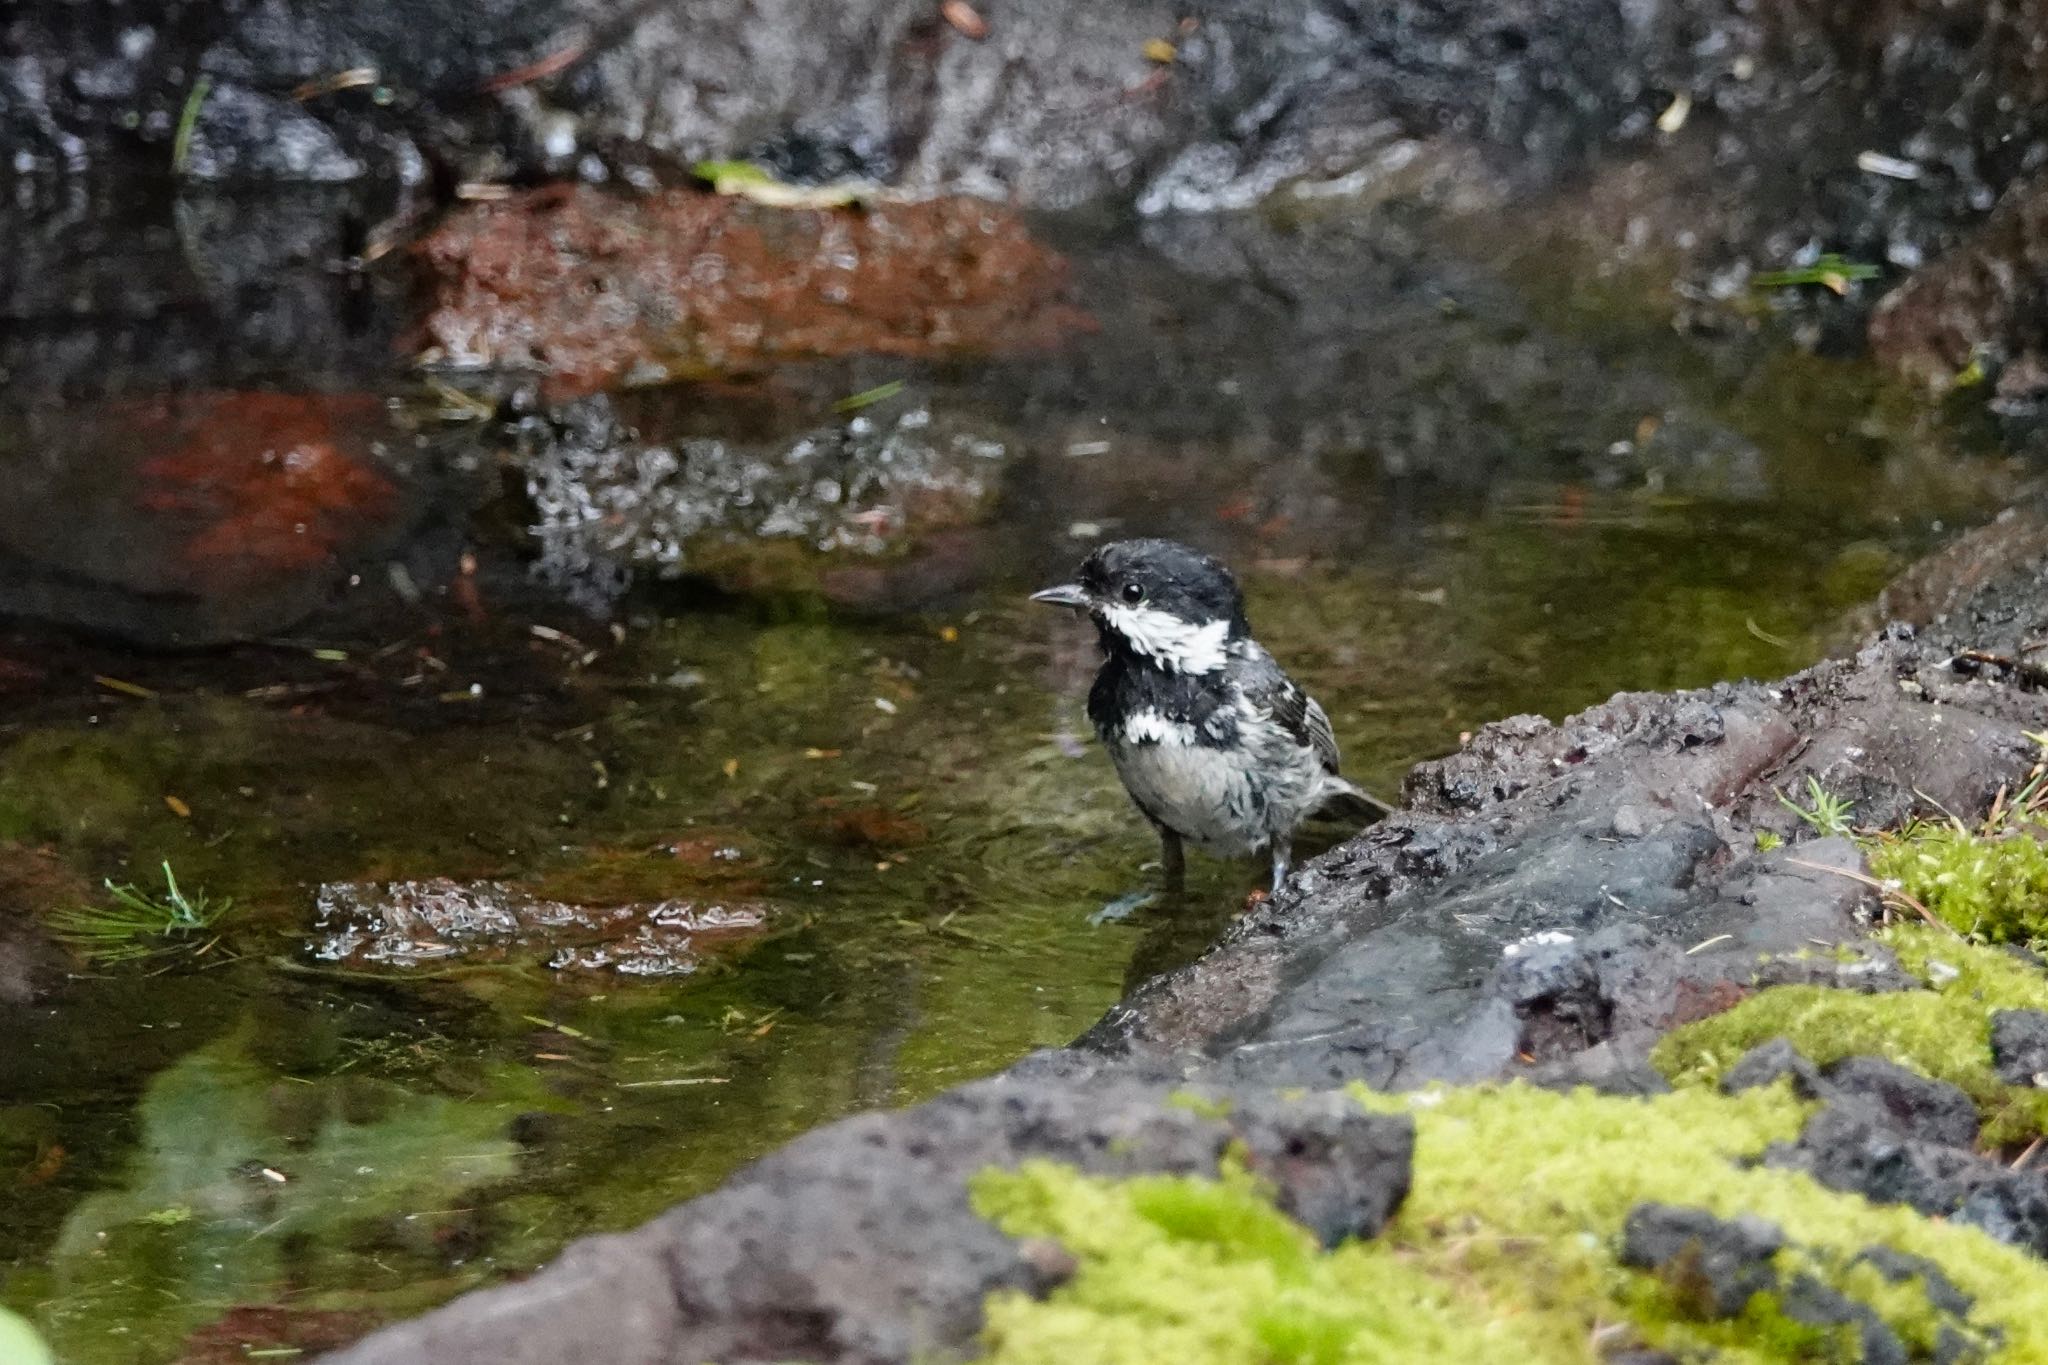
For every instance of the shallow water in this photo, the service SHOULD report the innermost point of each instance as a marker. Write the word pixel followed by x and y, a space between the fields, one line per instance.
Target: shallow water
pixel 1459 481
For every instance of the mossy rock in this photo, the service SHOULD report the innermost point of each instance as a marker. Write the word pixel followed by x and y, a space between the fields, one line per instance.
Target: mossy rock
pixel 1508 1248
pixel 1943 1032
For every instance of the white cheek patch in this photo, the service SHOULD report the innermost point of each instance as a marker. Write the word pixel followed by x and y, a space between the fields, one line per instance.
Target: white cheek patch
pixel 1175 645
pixel 1149 727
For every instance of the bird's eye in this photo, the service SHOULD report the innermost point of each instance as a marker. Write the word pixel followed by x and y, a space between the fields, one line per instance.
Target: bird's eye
pixel 1134 593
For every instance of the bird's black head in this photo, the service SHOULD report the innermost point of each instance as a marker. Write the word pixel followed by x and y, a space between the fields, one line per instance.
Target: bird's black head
pixel 1158 601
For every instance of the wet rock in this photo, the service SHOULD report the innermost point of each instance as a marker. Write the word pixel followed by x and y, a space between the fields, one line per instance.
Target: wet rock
pixel 1926 1110
pixel 757 515
pixel 590 290
pixel 133 287
pixel 1717 1264
pixel 857 1243
pixel 413 924
pixel 2019 1046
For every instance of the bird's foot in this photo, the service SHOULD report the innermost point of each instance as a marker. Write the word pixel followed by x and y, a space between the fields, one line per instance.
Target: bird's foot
pixel 1122 908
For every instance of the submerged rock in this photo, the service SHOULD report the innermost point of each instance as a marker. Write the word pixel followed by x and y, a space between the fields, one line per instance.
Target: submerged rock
pixel 415 924
pixel 215 515
pixel 590 290
pixel 761 514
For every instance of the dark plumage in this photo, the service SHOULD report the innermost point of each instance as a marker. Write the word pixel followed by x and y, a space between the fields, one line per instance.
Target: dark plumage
pixel 1213 741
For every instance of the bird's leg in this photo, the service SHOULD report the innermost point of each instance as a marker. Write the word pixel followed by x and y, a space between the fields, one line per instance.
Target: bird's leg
pixel 1173 866
pixel 1173 863
pixel 1281 860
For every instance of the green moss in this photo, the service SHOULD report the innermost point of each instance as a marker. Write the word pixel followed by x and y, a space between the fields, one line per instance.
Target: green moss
pixel 1508 1243
pixel 1991 884
pixel 1943 1032
pixel 1177 1268
pixel 1995 978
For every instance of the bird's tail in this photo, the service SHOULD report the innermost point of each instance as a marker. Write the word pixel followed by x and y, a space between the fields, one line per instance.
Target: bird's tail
pixel 1347 800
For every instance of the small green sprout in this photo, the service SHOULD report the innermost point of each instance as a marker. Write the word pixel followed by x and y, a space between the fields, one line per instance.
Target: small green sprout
pixel 1766 841
pixel 188 120
pixel 867 398
pixel 1831 272
pixel 1827 813
pixel 141 924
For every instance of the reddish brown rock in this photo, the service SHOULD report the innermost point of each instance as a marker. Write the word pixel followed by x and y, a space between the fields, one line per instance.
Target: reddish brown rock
pixel 252 1330
pixel 188 518
pixel 1986 294
pixel 270 483
pixel 593 290
pixel 33 882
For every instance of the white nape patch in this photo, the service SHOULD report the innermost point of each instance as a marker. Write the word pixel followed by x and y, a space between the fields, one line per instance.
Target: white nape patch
pixel 1542 938
pixel 1175 645
pixel 1149 727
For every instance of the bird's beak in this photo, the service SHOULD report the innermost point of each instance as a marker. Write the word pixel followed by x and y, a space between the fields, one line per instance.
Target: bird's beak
pixel 1065 595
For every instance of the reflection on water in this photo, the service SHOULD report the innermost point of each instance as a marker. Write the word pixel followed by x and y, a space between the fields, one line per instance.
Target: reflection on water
pixel 1455 488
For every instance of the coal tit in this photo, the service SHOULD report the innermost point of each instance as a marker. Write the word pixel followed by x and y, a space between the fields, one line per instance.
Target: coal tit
pixel 1213 741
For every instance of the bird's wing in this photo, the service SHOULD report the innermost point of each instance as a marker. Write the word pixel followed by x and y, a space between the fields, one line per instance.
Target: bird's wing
pixel 1265 684
pixel 1319 733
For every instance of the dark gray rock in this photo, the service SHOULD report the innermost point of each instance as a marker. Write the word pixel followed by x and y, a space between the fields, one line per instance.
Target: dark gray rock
pixel 1896 1138
pixel 2010 1206
pixel 1922 1109
pixel 1855 1147
pixel 2019 1046
pixel 1720 1263
pixel 1767 1063
pixel 1715 1266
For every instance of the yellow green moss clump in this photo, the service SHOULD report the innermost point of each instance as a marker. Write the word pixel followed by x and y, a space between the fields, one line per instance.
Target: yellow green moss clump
pixel 1182 1269
pixel 1991 882
pixel 1508 1248
pixel 1943 1032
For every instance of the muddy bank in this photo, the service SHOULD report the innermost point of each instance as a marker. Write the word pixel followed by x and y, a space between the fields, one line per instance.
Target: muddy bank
pixel 1550 903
